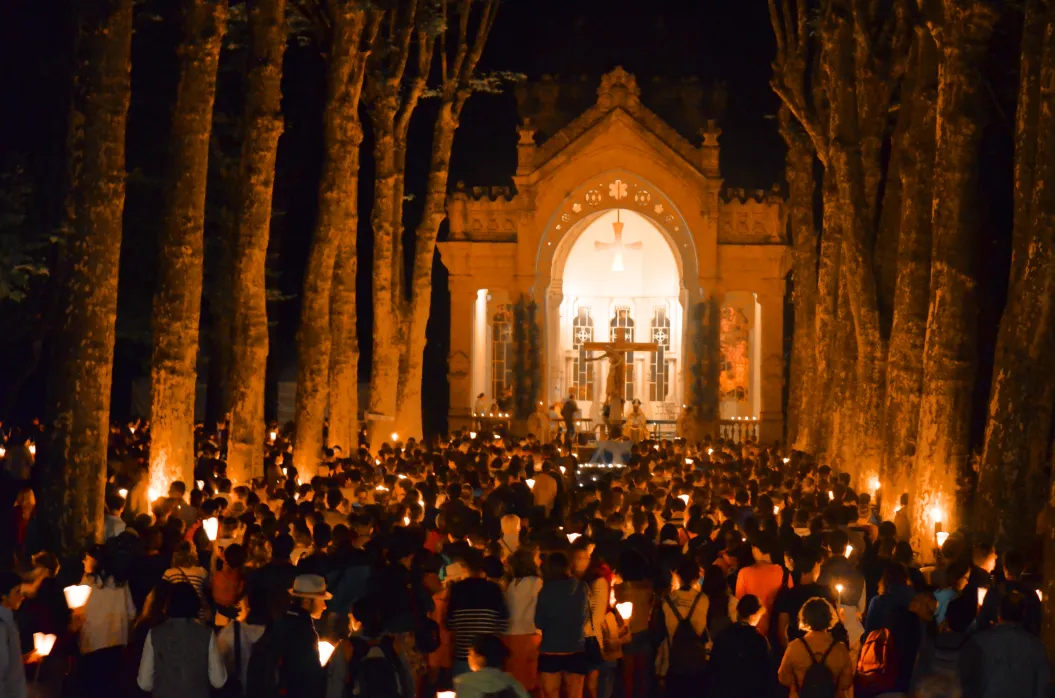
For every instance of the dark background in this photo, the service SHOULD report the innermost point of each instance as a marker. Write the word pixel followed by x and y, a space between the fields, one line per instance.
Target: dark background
pixel 713 40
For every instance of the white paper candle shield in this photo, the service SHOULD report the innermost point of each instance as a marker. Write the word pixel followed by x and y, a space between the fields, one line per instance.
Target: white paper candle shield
pixel 77 595
pixel 325 651
pixel 212 527
pixel 43 643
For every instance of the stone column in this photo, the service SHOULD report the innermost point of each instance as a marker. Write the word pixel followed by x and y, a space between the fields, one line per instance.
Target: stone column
pixel 459 366
pixel 771 419
pixel 551 341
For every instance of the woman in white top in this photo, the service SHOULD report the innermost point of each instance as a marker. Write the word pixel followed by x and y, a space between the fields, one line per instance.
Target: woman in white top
pixel 105 620
pixel 522 638
pixel 244 632
pixel 592 574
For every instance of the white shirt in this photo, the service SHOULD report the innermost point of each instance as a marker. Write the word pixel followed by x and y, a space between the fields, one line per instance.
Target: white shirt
pixel 145 679
pixel 521 598
pixel 114 526
pixel 107 616
pixel 249 635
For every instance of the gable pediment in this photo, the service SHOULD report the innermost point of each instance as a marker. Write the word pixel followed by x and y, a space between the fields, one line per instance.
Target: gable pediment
pixel 619 119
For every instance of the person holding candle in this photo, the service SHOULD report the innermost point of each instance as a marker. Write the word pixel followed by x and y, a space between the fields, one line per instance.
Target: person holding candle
pixel 12 673
pixel 764 578
pixel 105 619
pixel 817 646
pixel 741 663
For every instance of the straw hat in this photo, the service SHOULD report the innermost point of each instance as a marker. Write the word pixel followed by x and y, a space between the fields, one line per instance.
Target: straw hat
pixel 310 586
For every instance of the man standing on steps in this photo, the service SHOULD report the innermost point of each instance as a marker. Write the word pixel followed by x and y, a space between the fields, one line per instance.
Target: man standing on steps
pixel 568 412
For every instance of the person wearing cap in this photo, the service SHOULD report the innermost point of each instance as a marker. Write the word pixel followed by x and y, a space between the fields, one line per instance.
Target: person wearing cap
pixel 301 674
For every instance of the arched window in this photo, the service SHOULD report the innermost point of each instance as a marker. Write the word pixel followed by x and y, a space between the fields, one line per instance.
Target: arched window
pixel 659 369
pixel 621 329
pixel 501 352
pixel 582 372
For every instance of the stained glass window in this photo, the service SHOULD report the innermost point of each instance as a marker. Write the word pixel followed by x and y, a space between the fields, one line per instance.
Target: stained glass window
pixel 582 372
pixel 501 351
pixel 659 367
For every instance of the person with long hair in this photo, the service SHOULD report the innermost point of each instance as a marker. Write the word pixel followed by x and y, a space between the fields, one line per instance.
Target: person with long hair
pixel 637 588
pixel 560 614
pixel 105 620
pixel 522 585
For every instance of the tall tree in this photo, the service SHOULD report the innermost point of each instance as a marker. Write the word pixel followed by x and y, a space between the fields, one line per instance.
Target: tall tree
pixel 1013 469
pixel 962 33
pixel 915 151
pixel 460 48
pixel 256 177
pixel 177 300
pixel 351 28
pixel 75 458
pixel 394 95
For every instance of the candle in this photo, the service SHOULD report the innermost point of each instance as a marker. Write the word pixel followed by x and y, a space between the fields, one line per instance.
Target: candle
pixel 273 435
pixel 43 643
pixel 936 514
pixel 472 435
pixel 530 483
pixel 395 437
pixel 445 694
pixel 123 492
pixel 710 451
pixel 381 488
pixel 849 550
pixel 3 451
pixel 787 460
pixel 406 520
pixel 77 595
pixel 831 495
pixel 284 471
pixel 874 484
pixel 776 510
pixel 200 483
pixel 942 536
pixel 563 470
pixel 572 537
pixel 401 476
pixel 211 526
pixel 982 591
pixel 684 498
pixel 625 609
pixel 839 589
pixel 32 449
pixel 325 650
pixel 688 461
pixel 1040 595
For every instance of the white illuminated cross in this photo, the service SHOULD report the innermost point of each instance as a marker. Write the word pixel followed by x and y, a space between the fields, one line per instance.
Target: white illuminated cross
pixel 617 244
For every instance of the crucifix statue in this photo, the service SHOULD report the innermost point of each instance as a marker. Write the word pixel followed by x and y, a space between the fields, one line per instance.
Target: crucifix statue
pixel 615 352
pixel 617 244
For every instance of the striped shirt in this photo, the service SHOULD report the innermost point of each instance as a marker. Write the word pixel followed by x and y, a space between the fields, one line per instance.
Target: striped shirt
pixel 476 607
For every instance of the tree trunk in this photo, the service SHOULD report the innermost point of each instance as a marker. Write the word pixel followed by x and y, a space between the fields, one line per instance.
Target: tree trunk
pixel 408 412
pixel 825 321
pixel 256 178
pixel 344 358
pixel 856 184
pixel 74 461
pixel 912 288
pixel 1013 470
pixel 949 352
pixel 384 367
pixel 177 301
pixel 342 134
pixel 802 393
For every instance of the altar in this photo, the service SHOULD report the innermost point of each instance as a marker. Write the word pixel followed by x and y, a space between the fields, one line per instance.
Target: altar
pixel 618 229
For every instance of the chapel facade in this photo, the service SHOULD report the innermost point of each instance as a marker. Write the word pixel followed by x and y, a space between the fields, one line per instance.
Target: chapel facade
pixel 618 227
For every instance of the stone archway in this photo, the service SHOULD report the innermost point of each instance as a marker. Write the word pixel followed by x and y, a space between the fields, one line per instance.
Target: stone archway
pixel 609 191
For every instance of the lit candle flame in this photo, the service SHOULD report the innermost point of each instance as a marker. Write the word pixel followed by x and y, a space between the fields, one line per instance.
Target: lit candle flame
pixel 831 495
pixel 572 537
pixel 325 651
pixel 201 484
pixel 530 484
pixel 123 492
pixel 684 498
pixel 625 609
pixel 43 643
pixel 395 437
pixel 32 449
pixel 982 591
pixel 212 527
pixel 77 595
pixel 406 520
pixel 776 510
pixel 786 460
pixel 563 470
pixel 472 434
pixel 710 451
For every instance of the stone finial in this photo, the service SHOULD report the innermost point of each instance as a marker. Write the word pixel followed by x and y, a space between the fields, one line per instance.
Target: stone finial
pixel 710 134
pixel 618 87
pixel 526 130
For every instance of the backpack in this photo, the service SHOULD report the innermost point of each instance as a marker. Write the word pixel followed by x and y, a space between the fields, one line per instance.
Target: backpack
pixel 877 667
pixel 818 681
pixel 263 675
pixel 688 651
pixel 373 669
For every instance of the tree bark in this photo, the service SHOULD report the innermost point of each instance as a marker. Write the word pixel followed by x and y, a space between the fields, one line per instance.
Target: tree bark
pixel 256 178
pixel 177 301
pixel 826 320
pixel 912 287
pixel 1013 470
pixel 456 77
pixel 802 396
pixel 74 460
pixel 949 355
pixel 344 358
pixel 353 29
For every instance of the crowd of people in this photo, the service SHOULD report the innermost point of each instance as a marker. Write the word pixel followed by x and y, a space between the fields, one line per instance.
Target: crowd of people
pixel 489 566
